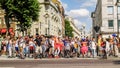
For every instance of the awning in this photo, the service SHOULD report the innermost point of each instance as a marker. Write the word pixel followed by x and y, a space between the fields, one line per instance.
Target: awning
pixel 4 30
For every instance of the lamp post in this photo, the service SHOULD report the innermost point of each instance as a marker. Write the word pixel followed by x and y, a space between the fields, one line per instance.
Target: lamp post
pixel 117 4
pixel 96 28
pixel 47 30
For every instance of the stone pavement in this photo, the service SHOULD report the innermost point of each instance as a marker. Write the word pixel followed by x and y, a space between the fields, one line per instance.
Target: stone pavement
pixel 62 63
pixel 4 57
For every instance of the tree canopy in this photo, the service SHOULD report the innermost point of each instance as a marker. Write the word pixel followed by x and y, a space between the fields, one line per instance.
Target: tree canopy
pixel 25 11
pixel 68 29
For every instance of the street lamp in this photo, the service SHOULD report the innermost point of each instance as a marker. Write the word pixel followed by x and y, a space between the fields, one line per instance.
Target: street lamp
pixel 47 30
pixel 117 4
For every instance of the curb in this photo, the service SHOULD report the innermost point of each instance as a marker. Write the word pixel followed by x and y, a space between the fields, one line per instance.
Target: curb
pixel 60 59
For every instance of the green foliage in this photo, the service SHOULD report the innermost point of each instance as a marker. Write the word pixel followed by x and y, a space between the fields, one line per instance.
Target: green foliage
pixel 68 29
pixel 25 11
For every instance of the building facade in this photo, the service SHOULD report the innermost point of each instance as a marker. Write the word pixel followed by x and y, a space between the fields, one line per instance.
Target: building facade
pixel 50 21
pixel 62 14
pixel 107 17
pixel 3 28
pixel 83 32
pixel 76 31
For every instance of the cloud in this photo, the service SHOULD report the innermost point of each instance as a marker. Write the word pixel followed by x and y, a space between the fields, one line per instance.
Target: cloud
pixel 78 23
pixel 78 13
pixel 89 3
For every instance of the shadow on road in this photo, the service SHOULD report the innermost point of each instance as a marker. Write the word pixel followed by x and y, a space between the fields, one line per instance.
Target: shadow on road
pixel 116 62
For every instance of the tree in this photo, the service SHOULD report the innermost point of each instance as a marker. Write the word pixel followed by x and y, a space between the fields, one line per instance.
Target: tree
pixel 25 11
pixel 68 29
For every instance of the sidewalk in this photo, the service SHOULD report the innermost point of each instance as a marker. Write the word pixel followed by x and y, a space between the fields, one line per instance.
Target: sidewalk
pixel 4 57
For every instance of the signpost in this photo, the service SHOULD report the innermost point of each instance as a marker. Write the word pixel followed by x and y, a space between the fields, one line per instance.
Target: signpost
pixel 96 28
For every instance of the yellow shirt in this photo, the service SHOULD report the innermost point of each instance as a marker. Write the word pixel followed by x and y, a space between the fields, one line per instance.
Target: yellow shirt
pixel 99 42
pixel 75 45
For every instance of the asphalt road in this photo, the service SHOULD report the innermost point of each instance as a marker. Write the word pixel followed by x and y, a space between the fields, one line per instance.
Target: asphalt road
pixel 60 63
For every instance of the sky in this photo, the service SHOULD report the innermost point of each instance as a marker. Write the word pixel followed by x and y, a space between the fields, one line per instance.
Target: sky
pixel 80 11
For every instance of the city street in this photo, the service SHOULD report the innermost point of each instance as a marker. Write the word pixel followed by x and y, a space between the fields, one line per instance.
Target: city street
pixel 60 63
pixel 59 33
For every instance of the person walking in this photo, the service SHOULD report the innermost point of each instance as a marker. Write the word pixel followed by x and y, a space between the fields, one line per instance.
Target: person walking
pixel 38 51
pixel 9 47
pixel 93 46
pixel 99 45
pixel 107 48
pixel 115 43
pixel 84 48
pixel 31 47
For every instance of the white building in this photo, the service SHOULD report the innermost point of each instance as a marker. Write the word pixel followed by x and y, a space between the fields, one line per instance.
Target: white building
pixel 83 32
pixel 107 17
pixel 76 31
pixel 50 21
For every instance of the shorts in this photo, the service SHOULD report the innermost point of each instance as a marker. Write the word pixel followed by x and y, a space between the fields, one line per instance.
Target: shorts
pixel 31 49
pixel 101 48
pixel 16 48
pixel 76 50
pixel 21 49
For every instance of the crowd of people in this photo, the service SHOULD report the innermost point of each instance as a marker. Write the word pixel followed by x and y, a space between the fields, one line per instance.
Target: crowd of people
pixel 40 46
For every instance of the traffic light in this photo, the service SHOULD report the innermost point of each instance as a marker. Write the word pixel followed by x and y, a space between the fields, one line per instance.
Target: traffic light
pixel 96 28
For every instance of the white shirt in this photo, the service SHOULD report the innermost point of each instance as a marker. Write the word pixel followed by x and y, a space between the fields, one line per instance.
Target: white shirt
pixel 52 43
pixel 93 45
pixel 31 43
pixel 107 46
pixel 16 45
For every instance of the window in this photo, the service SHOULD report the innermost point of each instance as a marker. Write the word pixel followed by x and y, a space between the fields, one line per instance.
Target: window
pixel 110 23
pixel 118 0
pixel 119 22
pixel 46 7
pixel 36 30
pixel 110 9
pixel 118 9
pixel 110 0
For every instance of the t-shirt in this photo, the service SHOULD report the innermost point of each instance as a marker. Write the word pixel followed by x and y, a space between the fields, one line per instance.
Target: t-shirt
pixel 16 45
pixel 38 41
pixel 75 45
pixel 31 43
pixel 52 43
pixel 93 45
pixel 99 42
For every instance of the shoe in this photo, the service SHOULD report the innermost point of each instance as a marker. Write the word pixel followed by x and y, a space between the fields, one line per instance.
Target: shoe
pixel 116 55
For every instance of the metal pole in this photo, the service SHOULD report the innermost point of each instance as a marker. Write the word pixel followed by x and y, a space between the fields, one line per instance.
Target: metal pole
pixel 48 27
pixel 117 22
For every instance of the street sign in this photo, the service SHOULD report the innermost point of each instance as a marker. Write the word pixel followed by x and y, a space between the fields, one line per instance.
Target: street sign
pixel 96 28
